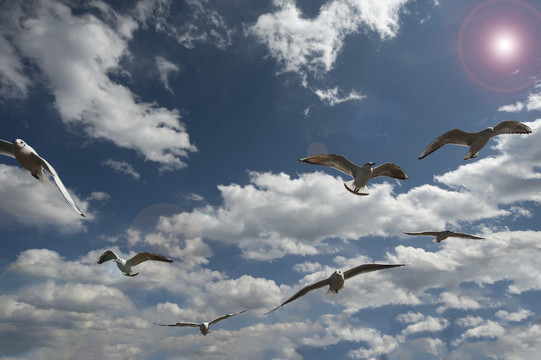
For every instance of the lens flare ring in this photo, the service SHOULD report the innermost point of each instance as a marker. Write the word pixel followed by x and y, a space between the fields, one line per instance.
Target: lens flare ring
pixel 505 45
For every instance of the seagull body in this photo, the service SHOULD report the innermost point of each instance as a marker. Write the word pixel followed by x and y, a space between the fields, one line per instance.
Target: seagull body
pixel 205 326
pixel 476 141
pixel 360 174
pixel 442 235
pixel 126 265
pixel 31 161
pixel 336 280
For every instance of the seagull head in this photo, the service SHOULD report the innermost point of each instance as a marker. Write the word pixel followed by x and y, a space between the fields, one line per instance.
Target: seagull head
pixel 489 129
pixel 19 143
pixel 370 164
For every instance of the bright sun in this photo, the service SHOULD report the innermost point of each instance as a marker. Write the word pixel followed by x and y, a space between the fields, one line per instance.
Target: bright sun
pixel 504 45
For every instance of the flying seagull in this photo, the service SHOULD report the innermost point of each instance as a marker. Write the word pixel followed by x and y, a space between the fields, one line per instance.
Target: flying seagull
pixel 31 161
pixel 204 327
pixel 336 280
pixel 442 235
pixel 126 265
pixel 476 141
pixel 360 174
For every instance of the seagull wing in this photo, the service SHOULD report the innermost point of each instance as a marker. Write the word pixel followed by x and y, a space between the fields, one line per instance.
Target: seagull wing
pixel 431 233
pixel 6 148
pixel 466 236
pixel 455 136
pixel 144 256
pixel 368 268
pixel 226 316
pixel 390 170
pixel 190 324
pixel 303 292
pixel 106 256
pixel 511 127
pixel 50 169
pixel 337 162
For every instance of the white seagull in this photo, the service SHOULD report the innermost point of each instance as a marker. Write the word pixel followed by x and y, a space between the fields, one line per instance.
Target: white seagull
pixel 442 235
pixel 31 161
pixel 204 327
pixel 476 141
pixel 126 265
pixel 360 174
pixel 336 280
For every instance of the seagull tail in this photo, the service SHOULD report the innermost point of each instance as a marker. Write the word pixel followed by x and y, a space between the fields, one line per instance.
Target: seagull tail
pixel 329 292
pixel 470 156
pixel 361 192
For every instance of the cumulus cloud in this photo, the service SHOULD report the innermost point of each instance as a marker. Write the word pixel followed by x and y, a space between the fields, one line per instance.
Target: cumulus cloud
pixel 303 45
pixel 427 324
pixel 75 55
pixel 453 301
pixel 489 329
pixel 515 316
pixel 276 214
pixel 533 102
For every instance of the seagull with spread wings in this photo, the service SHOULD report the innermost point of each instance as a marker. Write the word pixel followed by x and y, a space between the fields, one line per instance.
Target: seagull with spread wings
pixel 126 265
pixel 31 161
pixel 360 174
pixel 205 326
pixel 442 235
pixel 336 280
pixel 476 141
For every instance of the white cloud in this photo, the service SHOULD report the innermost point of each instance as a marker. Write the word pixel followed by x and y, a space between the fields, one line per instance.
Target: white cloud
pixel 410 317
pixel 516 316
pixel 517 107
pixel 532 103
pixel 165 68
pixel 201 24
pixel 489 329
pixel 307 45
pixel 13 83
pixel 31 203
pixel 453 301
pixel 75 54
pixel 122 167
pixel 98 196
pixel 470 321
pixel 332 96
pixel 428 324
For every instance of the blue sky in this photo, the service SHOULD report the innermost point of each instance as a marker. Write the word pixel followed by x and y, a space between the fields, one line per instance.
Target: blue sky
pixel 177 126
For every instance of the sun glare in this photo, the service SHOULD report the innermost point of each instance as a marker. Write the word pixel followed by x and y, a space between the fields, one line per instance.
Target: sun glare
pixel 504 45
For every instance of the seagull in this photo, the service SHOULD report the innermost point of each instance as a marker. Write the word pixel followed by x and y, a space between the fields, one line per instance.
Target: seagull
pixel 476 141
pixel 360 174
pixel 31 161
pixel 126 265
pixel 336 280
pixel 205 327
pixel 442 235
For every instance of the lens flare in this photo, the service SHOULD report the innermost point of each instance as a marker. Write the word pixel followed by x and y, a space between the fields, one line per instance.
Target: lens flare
pixel 498 45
